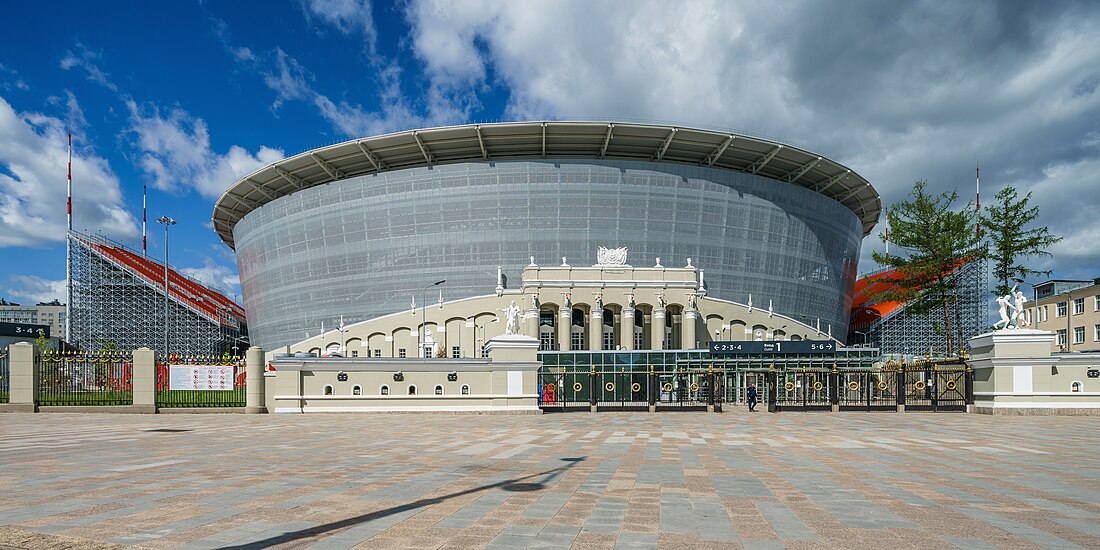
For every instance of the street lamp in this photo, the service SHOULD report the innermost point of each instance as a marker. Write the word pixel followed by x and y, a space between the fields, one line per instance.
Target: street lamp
pixel 424 316
pixel 167 222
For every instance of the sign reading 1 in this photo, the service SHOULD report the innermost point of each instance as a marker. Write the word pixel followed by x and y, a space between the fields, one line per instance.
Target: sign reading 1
pixel 798 347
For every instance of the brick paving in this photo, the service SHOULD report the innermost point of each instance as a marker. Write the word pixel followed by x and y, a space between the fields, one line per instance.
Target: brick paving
pixel 605 480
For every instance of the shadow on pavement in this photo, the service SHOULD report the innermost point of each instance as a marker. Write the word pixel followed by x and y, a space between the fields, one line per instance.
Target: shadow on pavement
pixel 515 484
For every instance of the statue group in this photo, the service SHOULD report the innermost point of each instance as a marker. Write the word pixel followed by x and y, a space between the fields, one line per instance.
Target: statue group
pixel 1011 309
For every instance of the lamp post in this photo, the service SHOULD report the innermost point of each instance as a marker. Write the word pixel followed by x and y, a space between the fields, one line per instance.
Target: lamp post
pixel 167 223
pixel 424 316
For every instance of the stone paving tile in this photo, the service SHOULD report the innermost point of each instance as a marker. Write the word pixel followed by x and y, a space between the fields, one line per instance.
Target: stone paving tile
pixel 605 480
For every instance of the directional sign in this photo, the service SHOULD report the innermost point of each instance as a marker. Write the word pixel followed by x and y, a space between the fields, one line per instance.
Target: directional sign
pixel 794 347
pixel 25 330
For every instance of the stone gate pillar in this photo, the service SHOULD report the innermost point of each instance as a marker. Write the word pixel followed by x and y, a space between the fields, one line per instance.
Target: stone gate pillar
pixel 254 382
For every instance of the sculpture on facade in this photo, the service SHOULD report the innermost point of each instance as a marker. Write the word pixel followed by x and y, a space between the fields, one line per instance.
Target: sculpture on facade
pixel 563 262
pixel 661 301
pixel 599 301
pixel 658 262
pixel 1010 308
pixel 511 318
pixel 535 301
pixel 1019 318
pixel 630 301
pixel 691 301
pixel 611 256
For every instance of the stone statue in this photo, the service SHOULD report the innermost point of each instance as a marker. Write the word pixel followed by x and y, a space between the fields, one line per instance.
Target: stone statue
pixel 1003 305
pixel 691 301
pixel 563 262
pixel 568 299
pixel 630 301
pixel 661 301
pixel 599 301
pixel 1018 317
pixel 532 260
pixel 689 263
pixel 535 301
pixel 511 317
pixel 658 262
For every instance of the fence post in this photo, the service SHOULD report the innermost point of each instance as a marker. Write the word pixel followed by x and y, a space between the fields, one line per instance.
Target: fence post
pixel 901 388
pixel 254 402
pixel 968 385
pixel 834 390
pixel 710 384
pixel 23 370
pixel 653 389
pixel 593 385
pixel 772 381
pixel 144 383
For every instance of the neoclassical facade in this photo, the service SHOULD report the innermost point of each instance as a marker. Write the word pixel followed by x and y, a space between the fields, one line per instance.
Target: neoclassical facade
pixel 610 305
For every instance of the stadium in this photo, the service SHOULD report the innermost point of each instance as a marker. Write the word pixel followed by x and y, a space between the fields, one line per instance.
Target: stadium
pixel 357 230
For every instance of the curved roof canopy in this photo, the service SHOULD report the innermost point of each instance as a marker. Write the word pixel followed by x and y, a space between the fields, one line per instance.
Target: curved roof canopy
pixel 534 140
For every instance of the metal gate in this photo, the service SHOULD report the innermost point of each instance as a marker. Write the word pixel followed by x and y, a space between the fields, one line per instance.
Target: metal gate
pixel 622 390
pixel 684 390
pixel 940 388
pixel 870 390
pixel 565 389
pixel 805 390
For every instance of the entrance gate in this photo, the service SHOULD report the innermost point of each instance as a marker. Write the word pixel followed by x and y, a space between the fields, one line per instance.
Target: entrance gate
pixel 806 390
pixel 868 390
pixel 623 390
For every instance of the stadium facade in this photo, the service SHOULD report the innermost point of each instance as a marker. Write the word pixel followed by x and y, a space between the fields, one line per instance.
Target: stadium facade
pixel 356 230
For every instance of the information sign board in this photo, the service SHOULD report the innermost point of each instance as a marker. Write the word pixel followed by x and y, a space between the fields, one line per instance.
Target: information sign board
pixel 794 347
pixel 25 330
pixel 200 377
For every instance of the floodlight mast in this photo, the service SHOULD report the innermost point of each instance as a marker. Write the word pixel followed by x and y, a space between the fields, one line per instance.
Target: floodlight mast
pixel 167 223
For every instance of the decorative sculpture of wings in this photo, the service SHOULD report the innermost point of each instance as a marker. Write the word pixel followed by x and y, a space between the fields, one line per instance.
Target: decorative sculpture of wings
pixel 611 256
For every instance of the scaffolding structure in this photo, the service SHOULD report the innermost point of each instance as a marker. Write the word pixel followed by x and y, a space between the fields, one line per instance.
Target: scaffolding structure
pixel 900 333
pixel 118 299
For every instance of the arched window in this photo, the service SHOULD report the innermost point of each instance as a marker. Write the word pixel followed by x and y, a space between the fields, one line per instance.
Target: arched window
pixel 412 389
pixel 439 390
pixel 357 390
pixel 384 390
pixel 328 390
pixel 465 390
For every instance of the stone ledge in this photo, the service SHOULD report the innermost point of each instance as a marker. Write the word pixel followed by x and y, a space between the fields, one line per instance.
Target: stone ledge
pixel 201 410
pixel 1037 411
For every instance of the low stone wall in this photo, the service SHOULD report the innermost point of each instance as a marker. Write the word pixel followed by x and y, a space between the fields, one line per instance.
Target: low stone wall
pixel 506 383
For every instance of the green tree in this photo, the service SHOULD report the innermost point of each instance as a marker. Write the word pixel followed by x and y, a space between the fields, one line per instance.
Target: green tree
pixel 1005 223
pixel 42 344
pixel 936 240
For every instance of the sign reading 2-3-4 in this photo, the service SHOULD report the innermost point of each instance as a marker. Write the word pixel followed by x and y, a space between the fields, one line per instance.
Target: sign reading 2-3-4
pixel 798 347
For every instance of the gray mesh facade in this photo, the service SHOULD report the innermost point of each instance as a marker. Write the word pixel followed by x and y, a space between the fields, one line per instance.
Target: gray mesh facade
pixel 364 246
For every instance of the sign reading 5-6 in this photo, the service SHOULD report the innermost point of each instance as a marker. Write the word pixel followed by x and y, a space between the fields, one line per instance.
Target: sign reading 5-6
pixel 796 347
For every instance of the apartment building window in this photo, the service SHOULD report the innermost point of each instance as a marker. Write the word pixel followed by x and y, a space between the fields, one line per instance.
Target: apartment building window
pixel 1061 337
pixel 402 353
pixel 1078 335
pixel 456 352
pixel 1043 314
pixel 1061 310
pixel 1096 334
pixel 1078 306
pixel 1097 306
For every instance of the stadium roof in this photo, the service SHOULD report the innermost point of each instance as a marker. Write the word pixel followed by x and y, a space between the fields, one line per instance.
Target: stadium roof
pixel 550 140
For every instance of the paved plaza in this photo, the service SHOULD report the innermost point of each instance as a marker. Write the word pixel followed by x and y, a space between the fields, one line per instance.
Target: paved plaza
pixel 580 480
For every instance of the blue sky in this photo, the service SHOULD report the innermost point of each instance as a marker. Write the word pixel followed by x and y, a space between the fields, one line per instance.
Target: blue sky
pixel 188 96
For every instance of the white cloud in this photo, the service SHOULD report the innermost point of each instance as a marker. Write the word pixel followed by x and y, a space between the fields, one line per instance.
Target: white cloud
pixel 216 276
pixel 347 16
pixel 32 289
pixel 175 151
pixel 32 183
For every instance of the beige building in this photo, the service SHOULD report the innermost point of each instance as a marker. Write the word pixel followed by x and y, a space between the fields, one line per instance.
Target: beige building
pixel 607 306
pixel 1071 310
pixel 46 313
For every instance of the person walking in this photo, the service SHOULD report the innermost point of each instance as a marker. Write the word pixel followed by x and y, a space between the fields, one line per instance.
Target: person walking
pixel 752 396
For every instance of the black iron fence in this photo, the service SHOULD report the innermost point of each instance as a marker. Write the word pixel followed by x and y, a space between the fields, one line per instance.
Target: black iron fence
pixel 5 376
pixel 85 378
pixel 576 387
pixel 191 381
pixel 939 386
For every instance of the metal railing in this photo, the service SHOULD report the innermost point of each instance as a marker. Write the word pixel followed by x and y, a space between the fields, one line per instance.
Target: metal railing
pixel 85 378
pixel 191 372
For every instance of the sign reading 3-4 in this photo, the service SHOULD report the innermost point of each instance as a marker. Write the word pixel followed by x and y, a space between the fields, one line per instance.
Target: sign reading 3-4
pixel 797 347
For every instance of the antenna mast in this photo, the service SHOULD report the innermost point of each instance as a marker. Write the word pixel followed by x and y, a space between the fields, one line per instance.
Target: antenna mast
pixel 69 249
